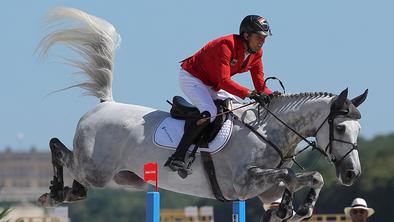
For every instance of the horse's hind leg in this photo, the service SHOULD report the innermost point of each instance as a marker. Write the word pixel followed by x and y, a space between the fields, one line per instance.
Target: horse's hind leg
pixel 57 184
pixel 61 156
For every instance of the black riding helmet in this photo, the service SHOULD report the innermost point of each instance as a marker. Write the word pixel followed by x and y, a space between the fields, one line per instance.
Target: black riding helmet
pixel 255 24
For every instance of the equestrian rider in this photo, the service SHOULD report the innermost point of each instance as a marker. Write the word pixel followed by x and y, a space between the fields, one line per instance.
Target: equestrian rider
pixel 206 76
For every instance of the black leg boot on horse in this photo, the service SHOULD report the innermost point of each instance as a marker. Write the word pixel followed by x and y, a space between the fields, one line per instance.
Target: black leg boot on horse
pixel 191 135
pixel 58 192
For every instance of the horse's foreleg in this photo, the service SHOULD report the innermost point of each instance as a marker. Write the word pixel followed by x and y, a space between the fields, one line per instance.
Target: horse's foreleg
pixel 61 156
pixel 272 177
pixel 315 181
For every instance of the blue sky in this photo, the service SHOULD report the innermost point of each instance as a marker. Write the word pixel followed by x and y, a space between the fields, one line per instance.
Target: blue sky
pixel 316 46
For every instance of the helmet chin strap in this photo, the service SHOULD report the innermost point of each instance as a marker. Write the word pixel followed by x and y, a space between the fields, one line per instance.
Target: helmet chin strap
pixel 246 40
pixel 247 45
pixel 250 50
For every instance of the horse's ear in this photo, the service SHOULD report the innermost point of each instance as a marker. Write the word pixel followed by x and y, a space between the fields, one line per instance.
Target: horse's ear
pixel 360 99
pixel 340 100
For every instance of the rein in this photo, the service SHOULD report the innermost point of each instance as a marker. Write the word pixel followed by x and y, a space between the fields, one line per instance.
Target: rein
pixel 329 118
pixel 228 111
pixel 248 104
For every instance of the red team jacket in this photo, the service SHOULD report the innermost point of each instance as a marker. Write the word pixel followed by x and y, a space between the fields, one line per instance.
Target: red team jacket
pixel 222 58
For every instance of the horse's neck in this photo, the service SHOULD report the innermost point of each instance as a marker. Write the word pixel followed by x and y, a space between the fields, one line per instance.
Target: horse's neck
pixel 302 112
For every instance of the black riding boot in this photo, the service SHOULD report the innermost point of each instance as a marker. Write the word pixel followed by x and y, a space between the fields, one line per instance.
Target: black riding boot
pixel 192 132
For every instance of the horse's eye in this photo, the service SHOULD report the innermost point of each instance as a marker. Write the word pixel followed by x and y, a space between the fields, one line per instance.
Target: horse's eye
pixel 340 128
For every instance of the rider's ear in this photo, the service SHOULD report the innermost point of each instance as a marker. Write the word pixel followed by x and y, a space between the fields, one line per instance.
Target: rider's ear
pixel 360 99
pixel 340 100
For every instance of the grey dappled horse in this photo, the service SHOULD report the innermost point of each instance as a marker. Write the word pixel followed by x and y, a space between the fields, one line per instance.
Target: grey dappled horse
pixel 114 140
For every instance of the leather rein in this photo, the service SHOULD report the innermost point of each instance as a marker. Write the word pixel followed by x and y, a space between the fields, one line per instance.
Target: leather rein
pixel 326 152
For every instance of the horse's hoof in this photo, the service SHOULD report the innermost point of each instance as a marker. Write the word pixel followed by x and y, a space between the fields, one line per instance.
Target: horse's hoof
pixel 284 212
pixel 267 216
pixel 305 211
pixel 45 200
pixel 72 198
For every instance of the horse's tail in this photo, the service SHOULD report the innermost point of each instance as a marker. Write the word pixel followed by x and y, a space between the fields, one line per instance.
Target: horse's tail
pixel 94 39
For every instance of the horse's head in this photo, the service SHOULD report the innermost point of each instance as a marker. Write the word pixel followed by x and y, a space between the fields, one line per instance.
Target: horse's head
pixel 337 136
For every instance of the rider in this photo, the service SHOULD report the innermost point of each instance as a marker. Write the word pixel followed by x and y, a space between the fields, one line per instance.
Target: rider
pixel 206 76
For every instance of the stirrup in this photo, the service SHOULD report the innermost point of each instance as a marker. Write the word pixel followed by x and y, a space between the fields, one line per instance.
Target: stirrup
pixel 175 164
pixel 186 171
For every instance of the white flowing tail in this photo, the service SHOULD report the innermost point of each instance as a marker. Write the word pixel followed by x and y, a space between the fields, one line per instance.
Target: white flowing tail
pixel 94 39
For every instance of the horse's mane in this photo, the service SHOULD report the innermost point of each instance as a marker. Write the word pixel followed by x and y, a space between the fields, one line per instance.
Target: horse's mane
pixel 296 96
pixel 304 94
pixel 293 100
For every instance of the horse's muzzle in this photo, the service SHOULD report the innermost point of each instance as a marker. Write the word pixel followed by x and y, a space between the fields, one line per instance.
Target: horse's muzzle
pixel 349 177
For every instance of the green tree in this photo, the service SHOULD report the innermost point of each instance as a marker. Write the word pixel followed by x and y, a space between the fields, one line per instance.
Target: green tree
pixel 4 213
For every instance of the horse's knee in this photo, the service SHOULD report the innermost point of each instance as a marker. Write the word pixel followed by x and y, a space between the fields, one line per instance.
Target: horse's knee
pixel 289 178
pixel 61 155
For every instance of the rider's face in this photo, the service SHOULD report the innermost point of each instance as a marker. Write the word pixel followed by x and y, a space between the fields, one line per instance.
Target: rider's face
pixel 256 41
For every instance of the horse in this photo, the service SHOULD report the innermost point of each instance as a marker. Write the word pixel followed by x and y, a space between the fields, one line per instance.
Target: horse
pixel 114 140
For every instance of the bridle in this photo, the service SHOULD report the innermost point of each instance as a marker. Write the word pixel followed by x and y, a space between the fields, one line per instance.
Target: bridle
pixel 326 152
pixel 330 119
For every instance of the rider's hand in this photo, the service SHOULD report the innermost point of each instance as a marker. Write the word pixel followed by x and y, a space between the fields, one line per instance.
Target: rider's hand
pixel 259 97
pixel 276 93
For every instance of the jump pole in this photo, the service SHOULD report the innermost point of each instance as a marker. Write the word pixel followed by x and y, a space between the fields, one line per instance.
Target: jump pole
pixel 152 198
pixel 239 214
pixel 152 207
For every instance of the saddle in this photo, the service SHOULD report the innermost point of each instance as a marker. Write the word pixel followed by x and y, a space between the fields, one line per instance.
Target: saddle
pixel 183 110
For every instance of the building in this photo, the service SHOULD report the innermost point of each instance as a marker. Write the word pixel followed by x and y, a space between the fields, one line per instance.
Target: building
pixel 30 213
pixel 329 218
pixel 25 175
pixel 188 214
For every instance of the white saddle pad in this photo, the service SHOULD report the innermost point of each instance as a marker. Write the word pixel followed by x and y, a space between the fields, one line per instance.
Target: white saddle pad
pixel 170 131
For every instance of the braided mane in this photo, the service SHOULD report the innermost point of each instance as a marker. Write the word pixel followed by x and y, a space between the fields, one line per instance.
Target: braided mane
pixel 305 94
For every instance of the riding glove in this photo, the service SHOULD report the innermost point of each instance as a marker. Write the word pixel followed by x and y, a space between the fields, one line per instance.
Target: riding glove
pixel 260 97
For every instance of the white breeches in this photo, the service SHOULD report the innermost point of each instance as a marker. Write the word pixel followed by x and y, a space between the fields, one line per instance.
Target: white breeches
pixel 201 95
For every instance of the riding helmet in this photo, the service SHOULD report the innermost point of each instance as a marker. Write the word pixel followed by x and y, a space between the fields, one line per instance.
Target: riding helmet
pixel 255 24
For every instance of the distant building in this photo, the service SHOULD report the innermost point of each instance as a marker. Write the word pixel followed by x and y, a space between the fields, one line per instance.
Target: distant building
pixel 188 214
pixel 329 218
pixel 25 175
pixel 31 213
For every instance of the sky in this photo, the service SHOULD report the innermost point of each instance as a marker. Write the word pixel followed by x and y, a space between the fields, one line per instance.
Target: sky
pixel 315 46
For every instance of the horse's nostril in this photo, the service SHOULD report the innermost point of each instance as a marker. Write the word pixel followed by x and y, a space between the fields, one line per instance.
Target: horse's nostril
pixel 351 174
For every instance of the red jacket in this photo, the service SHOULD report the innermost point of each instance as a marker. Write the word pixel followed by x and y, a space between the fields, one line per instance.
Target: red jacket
pixel 222 58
